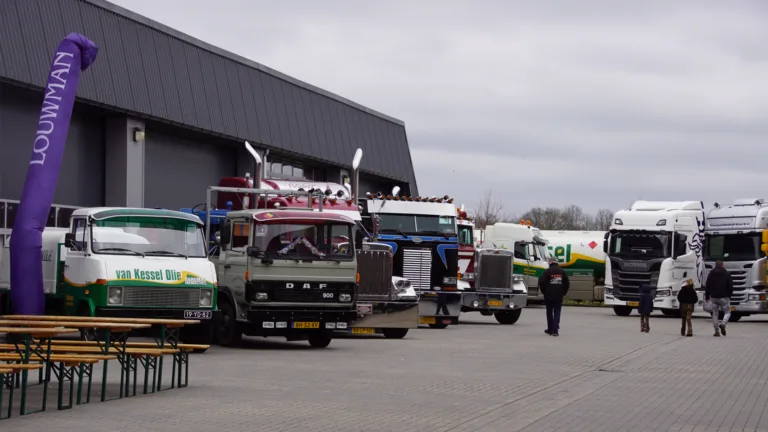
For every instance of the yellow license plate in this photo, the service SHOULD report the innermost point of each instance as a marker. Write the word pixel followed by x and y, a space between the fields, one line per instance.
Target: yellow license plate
pixel 427 320
pixel 495 303
pixel 363 330
pixel 733 308
pixel 311 324
pixel 633 304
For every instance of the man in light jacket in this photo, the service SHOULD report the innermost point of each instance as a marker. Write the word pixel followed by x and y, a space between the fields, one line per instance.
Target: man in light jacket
pixel 718 291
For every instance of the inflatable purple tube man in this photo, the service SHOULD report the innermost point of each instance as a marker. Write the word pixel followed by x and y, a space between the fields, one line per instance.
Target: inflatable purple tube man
pixel 73 55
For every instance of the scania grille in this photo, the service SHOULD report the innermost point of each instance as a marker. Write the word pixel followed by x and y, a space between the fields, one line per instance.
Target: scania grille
pixel 629 283
pixel 161 297
pixel 739 278
pixel 375 268
pixel 495 273
pixel 417 265
pixel 307 296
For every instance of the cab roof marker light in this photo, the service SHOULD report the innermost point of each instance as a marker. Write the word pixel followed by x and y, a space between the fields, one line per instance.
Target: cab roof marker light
pixel 450 201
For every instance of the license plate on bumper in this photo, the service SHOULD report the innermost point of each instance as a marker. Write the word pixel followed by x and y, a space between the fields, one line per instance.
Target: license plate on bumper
pixel 497 303
pixel 197 314
pixel 306 325
pixel 633 304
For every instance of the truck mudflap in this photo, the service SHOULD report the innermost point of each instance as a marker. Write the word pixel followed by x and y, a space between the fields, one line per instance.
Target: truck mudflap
pixel 488 301
pixel 439 308
pixel 379 315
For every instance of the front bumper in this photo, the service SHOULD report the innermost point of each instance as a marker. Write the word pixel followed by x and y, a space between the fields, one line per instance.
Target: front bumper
pixel 610 300
pixel 263 321
pixel 160 313
pixel 481 301
pixel 439 307
pixel 404 315
pixel 745 307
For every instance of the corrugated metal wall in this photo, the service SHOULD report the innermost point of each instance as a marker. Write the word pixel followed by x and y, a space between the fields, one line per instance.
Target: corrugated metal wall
pixel 81 182
pixel 149 72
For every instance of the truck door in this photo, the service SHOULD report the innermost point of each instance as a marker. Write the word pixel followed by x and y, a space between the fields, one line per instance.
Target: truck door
pixel 233 258
pixel 74 269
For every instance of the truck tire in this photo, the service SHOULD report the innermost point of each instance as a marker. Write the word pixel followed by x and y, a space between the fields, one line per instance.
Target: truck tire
pixel 622 310
pixel 228 333
pixel 735 316
pixel 394 333
pixel 89 334
pixel 200 334
pixel 438 326
pixel 508 317
pixel 320 340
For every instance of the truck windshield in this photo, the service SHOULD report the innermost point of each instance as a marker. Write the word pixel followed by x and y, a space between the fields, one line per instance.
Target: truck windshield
pixel 304 241
pixel 148 235
pixel 465 235
pixel 543 252
pixel 417 224
pixel 732 247
pixel 640 245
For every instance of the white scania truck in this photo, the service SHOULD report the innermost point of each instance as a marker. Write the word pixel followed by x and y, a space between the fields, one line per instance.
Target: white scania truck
pixel 738 235
pixel 653 243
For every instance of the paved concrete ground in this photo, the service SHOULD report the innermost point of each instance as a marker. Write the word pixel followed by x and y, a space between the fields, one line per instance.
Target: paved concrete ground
pixel 600 374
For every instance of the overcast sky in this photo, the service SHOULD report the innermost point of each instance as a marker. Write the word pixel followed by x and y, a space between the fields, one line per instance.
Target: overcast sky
pixel 547 103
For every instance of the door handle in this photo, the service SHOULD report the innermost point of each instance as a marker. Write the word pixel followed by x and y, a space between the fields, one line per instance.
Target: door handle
pixel 226 266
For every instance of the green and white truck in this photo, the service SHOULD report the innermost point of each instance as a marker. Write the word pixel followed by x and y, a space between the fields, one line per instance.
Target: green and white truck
pixel 127 262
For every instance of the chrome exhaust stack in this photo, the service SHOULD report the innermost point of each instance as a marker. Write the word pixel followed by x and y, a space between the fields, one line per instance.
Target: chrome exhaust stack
pixel 354 189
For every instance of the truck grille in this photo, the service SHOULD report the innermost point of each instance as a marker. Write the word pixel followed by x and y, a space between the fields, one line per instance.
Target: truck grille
pixel 494 273
pixel 308 296
pixel 417 266
pixel 628 283
pixel 375 268
pixel 161 297
pixel 739 278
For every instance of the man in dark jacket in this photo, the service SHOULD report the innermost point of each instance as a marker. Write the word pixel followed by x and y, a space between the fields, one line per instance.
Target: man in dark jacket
pixel 718 291
pixel 554 285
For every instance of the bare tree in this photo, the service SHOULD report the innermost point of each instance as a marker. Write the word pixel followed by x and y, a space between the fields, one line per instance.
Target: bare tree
pixel 603 220
pixel 489 210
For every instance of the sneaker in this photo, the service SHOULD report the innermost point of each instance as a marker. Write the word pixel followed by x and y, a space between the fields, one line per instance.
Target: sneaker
pixel 717 334
pixel 689 335
pixel 722 329
pixel 548 332
pixel 555 334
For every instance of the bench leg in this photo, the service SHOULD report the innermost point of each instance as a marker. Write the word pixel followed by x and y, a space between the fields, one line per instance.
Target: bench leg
pixel 9 381
pixel 64 374
pixel 85 370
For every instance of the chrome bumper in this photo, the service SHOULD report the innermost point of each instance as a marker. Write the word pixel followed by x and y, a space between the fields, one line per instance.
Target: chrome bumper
pixel 508 301
pixel 403 315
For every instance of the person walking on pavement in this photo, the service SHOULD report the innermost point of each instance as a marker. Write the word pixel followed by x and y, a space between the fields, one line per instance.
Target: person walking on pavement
pixel 645 307
pixel 688 298
pixel 554 285
pixel 718 291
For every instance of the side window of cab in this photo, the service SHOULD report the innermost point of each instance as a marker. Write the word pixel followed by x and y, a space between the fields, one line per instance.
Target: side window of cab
pixel 78 228
pixel 241 230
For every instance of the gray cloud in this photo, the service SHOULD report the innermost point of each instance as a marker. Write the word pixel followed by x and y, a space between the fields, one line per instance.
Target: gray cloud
pixel 595 103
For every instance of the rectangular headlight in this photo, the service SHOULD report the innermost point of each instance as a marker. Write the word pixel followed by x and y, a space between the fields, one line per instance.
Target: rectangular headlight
pixel 206 297
pixel 449 280
pixel 115 295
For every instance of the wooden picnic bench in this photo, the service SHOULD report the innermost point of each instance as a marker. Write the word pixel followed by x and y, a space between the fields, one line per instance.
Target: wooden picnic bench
pixel 8 373
pixel 168 336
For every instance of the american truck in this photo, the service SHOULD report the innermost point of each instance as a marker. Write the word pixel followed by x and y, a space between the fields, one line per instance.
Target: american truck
pixel 423 236
pixel 737 234
pixel 486 277
pixel 284 271
pixel 128 262
pixel 655 243
pixel 387 304
pixel 529 248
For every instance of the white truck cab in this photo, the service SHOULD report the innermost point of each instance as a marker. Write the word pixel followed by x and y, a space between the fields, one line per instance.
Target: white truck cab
pixel 737 234
pixel 655 243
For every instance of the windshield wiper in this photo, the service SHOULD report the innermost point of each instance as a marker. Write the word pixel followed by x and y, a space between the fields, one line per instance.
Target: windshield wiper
pixel 437 232
pixel 165 252
pixel 394 230
pixel 121 250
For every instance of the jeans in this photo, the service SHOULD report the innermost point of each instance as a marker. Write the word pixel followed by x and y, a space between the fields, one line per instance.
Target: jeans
pixel 718 305
pixel 553 316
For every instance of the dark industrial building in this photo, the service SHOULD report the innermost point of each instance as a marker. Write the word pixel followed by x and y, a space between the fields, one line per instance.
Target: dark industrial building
pixel 160 115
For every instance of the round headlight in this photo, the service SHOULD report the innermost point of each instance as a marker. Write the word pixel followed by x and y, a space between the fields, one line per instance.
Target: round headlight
pixel 345 297
pixel 400 284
